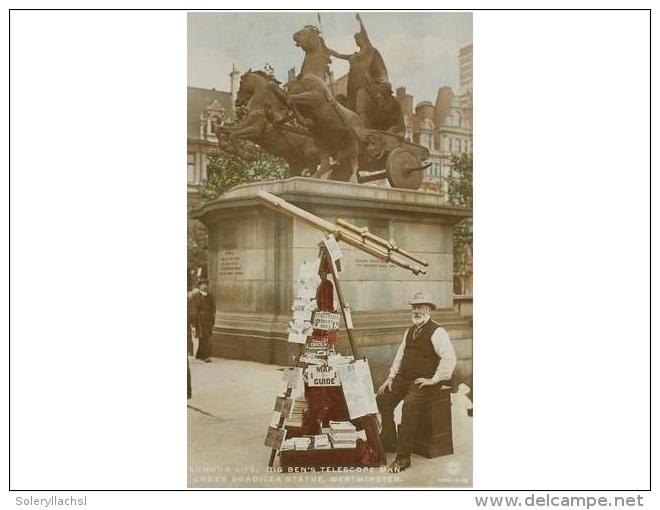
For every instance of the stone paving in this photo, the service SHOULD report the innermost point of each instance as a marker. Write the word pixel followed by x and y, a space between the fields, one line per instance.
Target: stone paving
pixel 228 416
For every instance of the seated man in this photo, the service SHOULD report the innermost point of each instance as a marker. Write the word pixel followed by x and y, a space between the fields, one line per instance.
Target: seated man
pixel 425 358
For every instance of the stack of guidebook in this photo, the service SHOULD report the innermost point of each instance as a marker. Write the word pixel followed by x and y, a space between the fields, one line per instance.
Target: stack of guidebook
pixel 321 442
pixel 288 444
pixel 302 443
pixel 343 434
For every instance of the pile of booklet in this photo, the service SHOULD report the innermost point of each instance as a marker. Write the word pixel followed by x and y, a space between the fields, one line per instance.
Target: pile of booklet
pixel 321 442
pixel 343 434
pixel 288 444
pixel 302 443
pixel 317 442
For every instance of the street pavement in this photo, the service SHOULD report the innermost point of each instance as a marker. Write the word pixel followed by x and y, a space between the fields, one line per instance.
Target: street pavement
pixel 228 416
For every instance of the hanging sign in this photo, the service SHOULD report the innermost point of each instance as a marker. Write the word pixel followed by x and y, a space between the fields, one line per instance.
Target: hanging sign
pixel 326 321
pixel 322 375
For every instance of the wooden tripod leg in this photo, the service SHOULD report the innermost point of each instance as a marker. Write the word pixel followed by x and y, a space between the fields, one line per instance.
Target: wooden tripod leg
pixel 370 420
pixel 271 461
pixel 273 452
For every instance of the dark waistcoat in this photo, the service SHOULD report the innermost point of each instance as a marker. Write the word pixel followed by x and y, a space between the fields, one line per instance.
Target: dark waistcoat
pixel 419 357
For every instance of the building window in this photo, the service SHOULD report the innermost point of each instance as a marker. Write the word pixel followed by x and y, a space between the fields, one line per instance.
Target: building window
pixel 211 122
pixel 191 167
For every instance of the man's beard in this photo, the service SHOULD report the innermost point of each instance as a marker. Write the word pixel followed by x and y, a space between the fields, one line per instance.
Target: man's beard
pixel 418 320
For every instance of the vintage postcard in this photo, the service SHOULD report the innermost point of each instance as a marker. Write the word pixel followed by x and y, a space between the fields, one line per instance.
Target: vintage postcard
pixel 329 249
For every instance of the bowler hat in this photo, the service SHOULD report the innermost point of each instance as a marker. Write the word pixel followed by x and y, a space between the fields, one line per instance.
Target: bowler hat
pixel 423 298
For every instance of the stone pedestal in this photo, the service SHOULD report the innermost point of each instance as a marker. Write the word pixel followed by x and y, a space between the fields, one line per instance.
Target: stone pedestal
pixel 255 254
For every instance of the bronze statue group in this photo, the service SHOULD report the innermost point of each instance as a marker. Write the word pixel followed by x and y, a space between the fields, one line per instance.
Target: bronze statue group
pixel 320 133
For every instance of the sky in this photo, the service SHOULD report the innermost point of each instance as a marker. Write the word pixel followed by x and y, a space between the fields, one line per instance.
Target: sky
pixel 420 49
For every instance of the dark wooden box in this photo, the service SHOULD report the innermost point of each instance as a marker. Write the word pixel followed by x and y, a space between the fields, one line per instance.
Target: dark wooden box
pixel 339 457
pixel 434 435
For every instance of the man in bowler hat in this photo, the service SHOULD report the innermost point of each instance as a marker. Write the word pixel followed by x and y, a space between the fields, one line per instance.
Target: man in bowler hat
pixel 203 311
pixel 425 358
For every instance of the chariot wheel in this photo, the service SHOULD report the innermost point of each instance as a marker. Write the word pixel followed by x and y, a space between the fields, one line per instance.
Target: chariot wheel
pixel 405 169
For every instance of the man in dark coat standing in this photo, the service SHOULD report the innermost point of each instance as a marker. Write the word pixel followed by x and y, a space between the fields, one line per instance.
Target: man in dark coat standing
pixel 203 309
pixel 425 358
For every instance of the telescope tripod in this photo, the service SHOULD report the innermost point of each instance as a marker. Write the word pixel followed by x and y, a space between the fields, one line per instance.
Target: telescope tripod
pixel 368 423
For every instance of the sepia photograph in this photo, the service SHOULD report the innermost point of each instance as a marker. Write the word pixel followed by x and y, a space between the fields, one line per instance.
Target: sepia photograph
pixel 329 191
pixel 335 235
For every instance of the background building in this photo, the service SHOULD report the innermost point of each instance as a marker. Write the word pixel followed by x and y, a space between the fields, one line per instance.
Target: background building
pixel 444 127
pixel 205 109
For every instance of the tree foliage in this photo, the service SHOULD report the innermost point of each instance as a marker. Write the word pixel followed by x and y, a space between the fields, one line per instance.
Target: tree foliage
pixel 460 193
pixel 460 181
pixel 226 170
pixel 197 244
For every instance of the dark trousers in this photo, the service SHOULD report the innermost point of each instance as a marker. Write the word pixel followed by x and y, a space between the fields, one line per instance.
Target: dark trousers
pixel 190 340
pixel 203 348
pixel 189 381
pixel 413 399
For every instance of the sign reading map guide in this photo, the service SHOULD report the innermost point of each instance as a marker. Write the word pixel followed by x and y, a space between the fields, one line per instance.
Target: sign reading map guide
pixel 358 389
pixel 322 375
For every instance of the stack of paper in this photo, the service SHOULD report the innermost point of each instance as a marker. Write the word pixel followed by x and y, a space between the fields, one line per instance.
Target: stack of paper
pixel 322 442
pixel 343 434
pixel 288 444
pixel 297 412
pixel 302 443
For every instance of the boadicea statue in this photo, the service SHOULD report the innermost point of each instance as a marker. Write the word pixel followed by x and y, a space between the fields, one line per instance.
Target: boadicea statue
pixel 325 136
pixel 369 92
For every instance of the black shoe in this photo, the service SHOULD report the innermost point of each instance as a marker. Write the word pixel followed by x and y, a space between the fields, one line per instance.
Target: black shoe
pixel 207 360
pixel 399 464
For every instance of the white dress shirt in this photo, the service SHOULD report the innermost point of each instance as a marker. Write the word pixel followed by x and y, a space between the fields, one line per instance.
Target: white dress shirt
pixel 443 348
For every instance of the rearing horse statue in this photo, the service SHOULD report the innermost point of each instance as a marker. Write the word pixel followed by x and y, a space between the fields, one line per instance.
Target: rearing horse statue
pixel 262 125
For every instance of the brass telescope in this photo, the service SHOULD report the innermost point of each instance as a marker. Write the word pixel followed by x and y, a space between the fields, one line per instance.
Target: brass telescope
pixel 361 238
